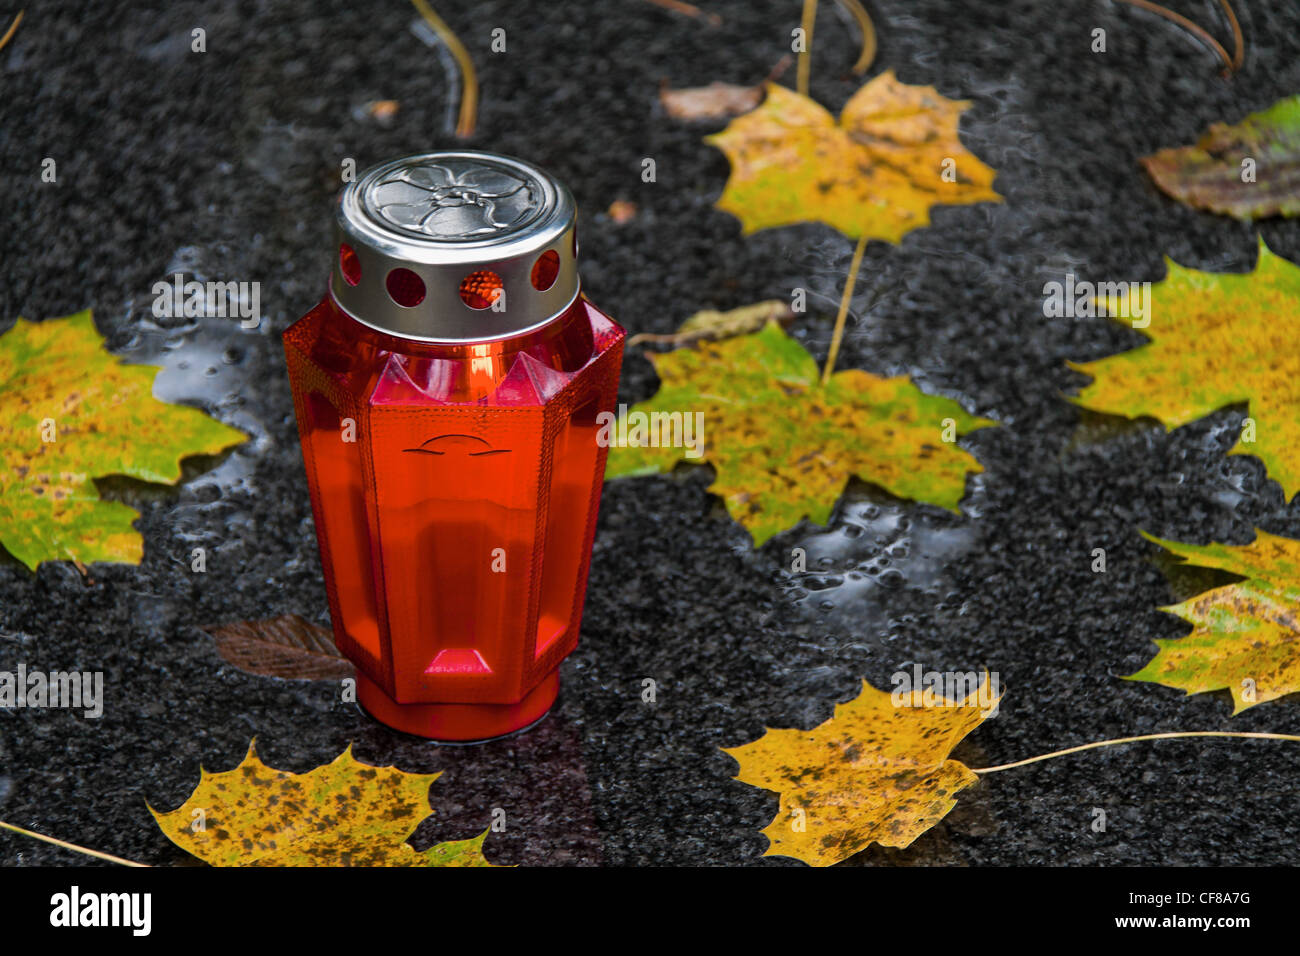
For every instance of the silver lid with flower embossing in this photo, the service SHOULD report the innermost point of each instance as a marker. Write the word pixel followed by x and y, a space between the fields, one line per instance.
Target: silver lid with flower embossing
pixel 457 246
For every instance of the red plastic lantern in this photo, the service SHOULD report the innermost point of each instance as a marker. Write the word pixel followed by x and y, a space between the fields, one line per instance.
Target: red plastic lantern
pixel 447 390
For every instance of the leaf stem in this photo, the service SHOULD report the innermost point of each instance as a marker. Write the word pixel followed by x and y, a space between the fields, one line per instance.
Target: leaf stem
pixel 688 9
pixel 468 118
pixel 1129 740
pixel 806 24
pixel 1196 29
pixel 71 846
pixel 12 29
pixel 868 30
pixel 838 334
pixel 1238 41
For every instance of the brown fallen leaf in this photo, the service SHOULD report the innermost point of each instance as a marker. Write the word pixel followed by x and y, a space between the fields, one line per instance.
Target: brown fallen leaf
pixel 383 111
pixel 712 102
pixel 711 325
pixel 1249 170
pixel 621 211
pixel 284 646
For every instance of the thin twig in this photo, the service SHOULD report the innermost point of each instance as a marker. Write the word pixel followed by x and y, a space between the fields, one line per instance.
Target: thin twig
pixel 778 71
pixel 12 28
pixel 838 334
pixel 1238 41
pixel 1129 740
pixel 868 30
pixel 688 9
pixel 1194 28
pixel 806 24
pixel 469 79
pixel 71 846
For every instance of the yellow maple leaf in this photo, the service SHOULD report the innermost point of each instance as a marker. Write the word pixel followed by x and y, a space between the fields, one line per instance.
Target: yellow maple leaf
pixel 345 813
pixel 70 411
pixel 1217 339
pixel 1246 636
pixel 877 771
pixel 893 155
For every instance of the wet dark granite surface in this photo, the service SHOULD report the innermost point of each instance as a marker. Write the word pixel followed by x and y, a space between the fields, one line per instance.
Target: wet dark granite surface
pixel 223 165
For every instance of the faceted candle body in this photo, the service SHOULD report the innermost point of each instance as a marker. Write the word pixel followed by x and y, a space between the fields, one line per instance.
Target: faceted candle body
pixel 455 490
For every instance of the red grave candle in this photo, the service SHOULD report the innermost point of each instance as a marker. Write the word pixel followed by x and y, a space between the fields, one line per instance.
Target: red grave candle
pixel 448 389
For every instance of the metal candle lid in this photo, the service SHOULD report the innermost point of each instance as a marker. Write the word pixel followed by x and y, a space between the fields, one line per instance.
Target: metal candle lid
pixel 456 246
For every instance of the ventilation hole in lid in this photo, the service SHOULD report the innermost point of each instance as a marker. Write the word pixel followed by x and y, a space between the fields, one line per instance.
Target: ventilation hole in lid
pixel 405 287
pixel 545 269
pixel 479 290
pixel 349 264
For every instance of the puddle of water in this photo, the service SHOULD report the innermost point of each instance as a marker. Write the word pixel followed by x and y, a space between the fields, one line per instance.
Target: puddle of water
pixel 874 544
pixel 214 364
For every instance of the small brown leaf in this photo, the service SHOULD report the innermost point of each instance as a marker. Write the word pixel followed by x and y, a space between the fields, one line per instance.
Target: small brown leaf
pixel 284 646
pixel 1249 170
pixel 713 102
pixel 621 212
pixel 710 325
pixel 383 111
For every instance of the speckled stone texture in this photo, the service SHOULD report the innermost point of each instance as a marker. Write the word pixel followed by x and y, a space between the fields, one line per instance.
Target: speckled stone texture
pixel 223 165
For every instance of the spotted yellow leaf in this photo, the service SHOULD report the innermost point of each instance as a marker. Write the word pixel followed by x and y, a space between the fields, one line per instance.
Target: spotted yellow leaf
pixel 344 813
pixel 1217 339
pixel 783 445
pixel 894 154
pixel 878 771
pixel 1246 636
pixel 69 412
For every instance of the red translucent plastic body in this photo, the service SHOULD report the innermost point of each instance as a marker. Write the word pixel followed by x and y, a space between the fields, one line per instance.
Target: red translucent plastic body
pixel 455 489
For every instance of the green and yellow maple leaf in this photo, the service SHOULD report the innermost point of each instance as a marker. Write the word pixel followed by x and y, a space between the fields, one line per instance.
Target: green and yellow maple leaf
pixel 1246 636
pixel 876 772
pixel 784 446
pixel 893 155
pixel 1217 339
pixel 344 813
pixel 70 411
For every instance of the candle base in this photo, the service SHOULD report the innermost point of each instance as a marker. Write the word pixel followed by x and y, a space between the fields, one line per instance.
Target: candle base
pixel 460 723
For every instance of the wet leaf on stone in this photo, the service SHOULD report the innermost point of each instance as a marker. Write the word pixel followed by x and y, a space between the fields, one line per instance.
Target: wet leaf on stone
pixel 70 411
pixel 783 445
pixel 893 155
pixel 345 813
pixel 1246 636
pixel 1217 339
pixel 1249 170
pixel 712 102
pixel 876 772
pixel 284 646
